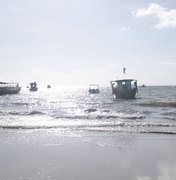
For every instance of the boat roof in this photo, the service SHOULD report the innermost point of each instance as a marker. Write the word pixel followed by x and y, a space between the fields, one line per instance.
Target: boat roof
pixel 93 84
pixel 8 82
pixel 124 80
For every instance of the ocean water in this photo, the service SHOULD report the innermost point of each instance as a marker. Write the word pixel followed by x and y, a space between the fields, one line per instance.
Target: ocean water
pixel 73 112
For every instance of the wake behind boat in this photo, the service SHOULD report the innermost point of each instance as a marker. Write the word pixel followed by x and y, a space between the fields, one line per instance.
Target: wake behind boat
pixel 9 88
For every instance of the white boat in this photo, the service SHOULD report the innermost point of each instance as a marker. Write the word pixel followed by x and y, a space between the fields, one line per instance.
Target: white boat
pixel 124 88
pixel 9 88
pixel 94 89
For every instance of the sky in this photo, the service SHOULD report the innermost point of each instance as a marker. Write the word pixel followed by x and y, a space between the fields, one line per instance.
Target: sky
pixel 80 42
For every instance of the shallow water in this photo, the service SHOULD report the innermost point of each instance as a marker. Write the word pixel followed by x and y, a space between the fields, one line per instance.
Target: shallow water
pixel 74 111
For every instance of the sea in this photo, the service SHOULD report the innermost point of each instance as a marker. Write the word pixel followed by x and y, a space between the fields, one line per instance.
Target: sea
pixel 73 112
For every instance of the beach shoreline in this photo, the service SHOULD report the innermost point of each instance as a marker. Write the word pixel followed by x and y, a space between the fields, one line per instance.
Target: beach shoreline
pixel 134 157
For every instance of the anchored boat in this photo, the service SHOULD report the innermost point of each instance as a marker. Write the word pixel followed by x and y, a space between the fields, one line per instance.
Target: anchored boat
pixel 124 88
pixel 9 88
pixel 94 89
pixel 33 86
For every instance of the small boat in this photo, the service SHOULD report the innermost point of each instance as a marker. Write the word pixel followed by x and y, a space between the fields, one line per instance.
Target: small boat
pixel 124 88
pixel 9 88
pixel 48 86
pixel 94 89
pixel 33 86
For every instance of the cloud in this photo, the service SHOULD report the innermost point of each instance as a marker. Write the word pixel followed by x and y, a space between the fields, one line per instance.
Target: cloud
pixel 166 17
pixel 125 28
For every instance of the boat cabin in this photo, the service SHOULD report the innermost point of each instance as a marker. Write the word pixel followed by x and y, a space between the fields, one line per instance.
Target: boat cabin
pixel 33 86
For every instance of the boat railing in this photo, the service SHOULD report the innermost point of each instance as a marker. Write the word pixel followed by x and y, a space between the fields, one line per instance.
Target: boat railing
pixel 9 84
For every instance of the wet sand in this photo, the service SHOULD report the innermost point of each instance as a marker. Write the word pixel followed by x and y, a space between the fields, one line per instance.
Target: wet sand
pixel 132 157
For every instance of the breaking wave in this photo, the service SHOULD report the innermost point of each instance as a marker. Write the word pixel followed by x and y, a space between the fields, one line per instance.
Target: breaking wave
pixel 109 126
pixel 87 114
pixel 100 116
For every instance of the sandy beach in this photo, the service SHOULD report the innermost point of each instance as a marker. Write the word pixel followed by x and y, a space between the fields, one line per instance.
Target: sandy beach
pixel 41 156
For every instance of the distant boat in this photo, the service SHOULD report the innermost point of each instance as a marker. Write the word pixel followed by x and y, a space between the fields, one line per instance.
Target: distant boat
pixel 33 86
pixel 124 88
pixel 94 89
pixel 48 86
pixel 9 88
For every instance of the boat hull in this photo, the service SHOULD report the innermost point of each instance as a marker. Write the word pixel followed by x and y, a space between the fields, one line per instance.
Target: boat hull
pixel 125 94
pixel 4 91
pixel 33 89
pixel 94 91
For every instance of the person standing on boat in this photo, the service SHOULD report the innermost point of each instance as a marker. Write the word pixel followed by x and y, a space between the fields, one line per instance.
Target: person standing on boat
pixel 124 70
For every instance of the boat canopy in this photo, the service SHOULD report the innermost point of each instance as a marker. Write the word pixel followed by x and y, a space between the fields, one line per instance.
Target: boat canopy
pixel 124 83
pixel 124 80
pixel 8 83
pixel 4 83
pixel 94 86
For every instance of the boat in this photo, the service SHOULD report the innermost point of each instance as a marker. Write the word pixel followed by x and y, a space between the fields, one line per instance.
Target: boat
pixel 48 86
pixel 9 88
pixel 33 86
pixel 124 88
pixel 94 89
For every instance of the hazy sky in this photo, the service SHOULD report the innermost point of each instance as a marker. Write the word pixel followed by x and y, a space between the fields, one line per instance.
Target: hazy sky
pixel 78 42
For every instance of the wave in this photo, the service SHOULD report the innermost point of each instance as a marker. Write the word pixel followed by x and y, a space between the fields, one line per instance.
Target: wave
pixel 90 110
pixel 169 113
pixel 170 118
pixel 92 113
pixel 23 127
pixel 23 113
pixel 108 126
pixel 159 132
pixel 16 104
pixel 158 104
pixel 36 113
pixel 88 114
pixel 98 116
pixel 132 131
pixel 21 104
